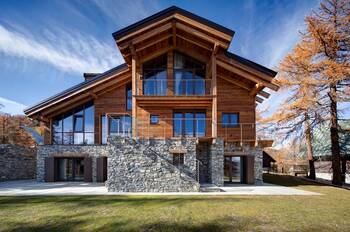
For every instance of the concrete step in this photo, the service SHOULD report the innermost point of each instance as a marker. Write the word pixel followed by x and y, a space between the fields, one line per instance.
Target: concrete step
pixel 210 188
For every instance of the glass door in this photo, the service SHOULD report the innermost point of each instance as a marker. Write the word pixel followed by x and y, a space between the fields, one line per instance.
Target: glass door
pixel 70 169
pixel 233 171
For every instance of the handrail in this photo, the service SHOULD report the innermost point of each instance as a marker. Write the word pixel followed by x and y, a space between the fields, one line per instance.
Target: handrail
pixel 174 87
pixel 240 132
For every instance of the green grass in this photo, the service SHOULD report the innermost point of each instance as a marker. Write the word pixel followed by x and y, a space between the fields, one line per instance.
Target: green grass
pixel 329 212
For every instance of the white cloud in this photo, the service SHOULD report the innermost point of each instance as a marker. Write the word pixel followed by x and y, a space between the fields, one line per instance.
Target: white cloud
pixel 11 107
pixel 65 50
pixel 124 13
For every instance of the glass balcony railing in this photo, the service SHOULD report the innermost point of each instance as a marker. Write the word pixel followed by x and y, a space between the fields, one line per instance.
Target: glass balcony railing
pixel 181 87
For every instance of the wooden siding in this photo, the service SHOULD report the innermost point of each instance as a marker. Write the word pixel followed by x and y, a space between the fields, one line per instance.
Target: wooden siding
pixel 113 101
pixel 234 99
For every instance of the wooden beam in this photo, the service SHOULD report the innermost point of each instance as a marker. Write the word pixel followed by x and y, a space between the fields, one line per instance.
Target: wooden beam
pixel 133 79
pixel 214 93
pixel 205 27
pixel 173 25
pixel 143 29
pixel 235 82
pixel 247 75
pixel 237 64
pixel 153 43
pixel 256 89
pixel 151 33
pixel 199 44
pixel 259 99
pixel 155 54
pixel 199 34
pixel 264 94
pixel 216 48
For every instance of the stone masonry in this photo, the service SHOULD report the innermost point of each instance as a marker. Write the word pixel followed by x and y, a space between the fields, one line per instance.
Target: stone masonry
pixel 216 162
pixel 16 162
pixel 92 151
pixel 146 165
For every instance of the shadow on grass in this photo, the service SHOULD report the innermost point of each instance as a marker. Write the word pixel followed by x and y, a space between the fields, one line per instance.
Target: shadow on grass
pixel 289 181
pixel 233 223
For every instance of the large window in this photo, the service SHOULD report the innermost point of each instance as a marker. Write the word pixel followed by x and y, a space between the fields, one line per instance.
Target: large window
pixel 230 120
pixel 117 125
pixel 189 75
pixel 189 124
pixel 155 76
pixel 74 127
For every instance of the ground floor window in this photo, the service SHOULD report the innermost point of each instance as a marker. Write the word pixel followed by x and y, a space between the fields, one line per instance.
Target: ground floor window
pixel 178 160
pixel 189 124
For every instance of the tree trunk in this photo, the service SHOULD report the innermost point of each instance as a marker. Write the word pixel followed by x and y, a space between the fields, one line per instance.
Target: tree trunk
pixel 335 148
pixel 310 151
pixel 343 169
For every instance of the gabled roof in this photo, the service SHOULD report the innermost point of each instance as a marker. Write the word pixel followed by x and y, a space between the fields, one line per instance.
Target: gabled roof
pixel 251 64
pixel 30 110
pixel 165 13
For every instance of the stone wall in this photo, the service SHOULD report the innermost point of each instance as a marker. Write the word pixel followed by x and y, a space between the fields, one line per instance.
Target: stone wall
pixel 16 162
pixel 258 164
pixel 216 162
pixel 146 165
pixel 92 151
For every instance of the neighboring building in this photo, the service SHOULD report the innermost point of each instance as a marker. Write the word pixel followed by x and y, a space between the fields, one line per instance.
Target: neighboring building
pixel 179 112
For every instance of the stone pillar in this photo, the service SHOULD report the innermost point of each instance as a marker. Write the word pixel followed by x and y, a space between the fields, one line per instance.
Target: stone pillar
pixel 216 162
pixel 258 164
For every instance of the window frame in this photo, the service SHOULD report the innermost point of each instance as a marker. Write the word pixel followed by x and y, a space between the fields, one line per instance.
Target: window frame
pixel 150 119
pixel 183 123
pixel 229 124
pixel 127 98
pixel 178 160
pixel 71 134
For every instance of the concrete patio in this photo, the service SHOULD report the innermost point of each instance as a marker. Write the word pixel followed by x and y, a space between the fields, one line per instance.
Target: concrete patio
pixel 34 188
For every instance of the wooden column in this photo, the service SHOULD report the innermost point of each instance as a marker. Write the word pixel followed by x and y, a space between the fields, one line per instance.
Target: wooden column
pixel 133 81
pixel 214 93
pixel 170 73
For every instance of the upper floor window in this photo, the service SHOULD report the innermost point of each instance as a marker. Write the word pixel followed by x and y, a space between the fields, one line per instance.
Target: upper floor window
pixel 189 75
pixel 74 127
pixel 155 76
pixel 230 119
pixel 189 124
pixel 119 125
pixel 128 97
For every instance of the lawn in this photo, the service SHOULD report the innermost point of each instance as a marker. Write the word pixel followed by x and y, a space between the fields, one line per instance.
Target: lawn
pixel 329 212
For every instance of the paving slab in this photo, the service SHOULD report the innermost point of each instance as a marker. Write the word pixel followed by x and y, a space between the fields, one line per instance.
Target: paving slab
pixel 34 188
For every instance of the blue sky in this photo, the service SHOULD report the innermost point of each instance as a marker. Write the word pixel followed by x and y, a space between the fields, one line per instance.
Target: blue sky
pixel 45 46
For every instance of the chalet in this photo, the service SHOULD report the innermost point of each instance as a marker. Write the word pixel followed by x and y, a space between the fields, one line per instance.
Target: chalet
pixel 180 112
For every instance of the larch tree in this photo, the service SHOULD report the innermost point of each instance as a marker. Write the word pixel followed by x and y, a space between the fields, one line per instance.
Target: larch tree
pixel 300 112
pixel 328 30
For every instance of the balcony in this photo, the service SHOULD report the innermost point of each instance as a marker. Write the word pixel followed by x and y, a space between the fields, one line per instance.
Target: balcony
pixel 176 88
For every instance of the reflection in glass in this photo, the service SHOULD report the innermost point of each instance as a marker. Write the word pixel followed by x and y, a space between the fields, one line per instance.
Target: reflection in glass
pixel 74 127
pixel 155 76
pixel 189 124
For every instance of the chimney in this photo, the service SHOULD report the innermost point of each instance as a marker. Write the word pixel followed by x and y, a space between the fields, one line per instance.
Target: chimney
pixel 89 76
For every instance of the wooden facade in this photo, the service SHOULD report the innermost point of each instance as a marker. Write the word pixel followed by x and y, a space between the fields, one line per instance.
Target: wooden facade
pixel 232 83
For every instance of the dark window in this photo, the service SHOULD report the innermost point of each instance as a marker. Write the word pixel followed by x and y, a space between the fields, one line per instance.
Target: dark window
pixel 230 120
pixel 189 75
pixel 155 76
pixel 178 160
pixel 154 119
pixel 74 127
pixel 128 97
pixel 189 124
pixel 117 125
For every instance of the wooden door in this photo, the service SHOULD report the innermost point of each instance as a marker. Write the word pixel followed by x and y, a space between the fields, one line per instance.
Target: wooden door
pixel 88 169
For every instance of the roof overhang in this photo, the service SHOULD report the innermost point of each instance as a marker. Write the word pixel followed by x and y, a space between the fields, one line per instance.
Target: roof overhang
pixel 168 26
pixel 84 87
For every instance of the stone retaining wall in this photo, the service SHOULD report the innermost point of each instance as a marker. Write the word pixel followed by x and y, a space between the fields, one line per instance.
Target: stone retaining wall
pixel 16 162
pixel 92 151
pixel 146 165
